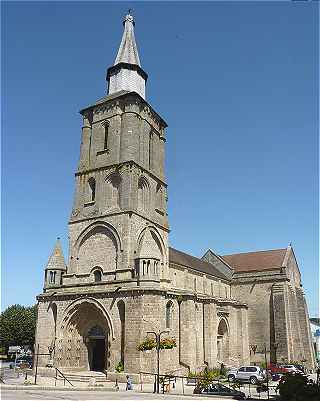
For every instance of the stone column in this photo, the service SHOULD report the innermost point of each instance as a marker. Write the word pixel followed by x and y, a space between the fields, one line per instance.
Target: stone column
pixel 305 329
pixel 210 335
pixel 85 144
pixel 187 334
pixel 161 156
pixel 134 334
pixel 280 321
pixel 129 141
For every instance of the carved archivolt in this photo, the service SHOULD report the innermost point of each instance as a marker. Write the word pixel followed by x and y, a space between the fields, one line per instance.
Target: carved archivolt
pixel 75 308
pixel 113 231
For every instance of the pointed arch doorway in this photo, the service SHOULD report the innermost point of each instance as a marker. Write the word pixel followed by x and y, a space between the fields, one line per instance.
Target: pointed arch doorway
pixel 85 336
pixel 96 343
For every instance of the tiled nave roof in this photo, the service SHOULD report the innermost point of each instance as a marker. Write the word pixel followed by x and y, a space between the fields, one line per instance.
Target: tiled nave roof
pixel 256 261
pixel 183 259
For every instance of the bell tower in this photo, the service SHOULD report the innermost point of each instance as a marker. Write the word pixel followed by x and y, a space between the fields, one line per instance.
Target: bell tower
pixel 119 226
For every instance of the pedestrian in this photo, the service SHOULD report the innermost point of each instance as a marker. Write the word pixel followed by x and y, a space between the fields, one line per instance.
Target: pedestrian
pixel 222 369
pixel 129 383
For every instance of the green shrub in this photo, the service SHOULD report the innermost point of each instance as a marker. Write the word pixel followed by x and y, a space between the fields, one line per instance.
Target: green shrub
pixel 119 367
pixel 206 377
pixel 297 387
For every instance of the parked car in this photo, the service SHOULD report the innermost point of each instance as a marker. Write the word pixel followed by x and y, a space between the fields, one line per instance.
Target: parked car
pixel 300 367
pixel 290 368
pixel 275 368
pixel 222 391
pixel 23 361
pixel 251 374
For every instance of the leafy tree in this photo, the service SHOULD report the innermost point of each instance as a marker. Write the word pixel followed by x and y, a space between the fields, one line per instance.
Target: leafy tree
pixel 18 325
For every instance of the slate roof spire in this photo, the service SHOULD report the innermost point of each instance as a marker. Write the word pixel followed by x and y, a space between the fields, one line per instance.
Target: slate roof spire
pixel 126 74
pixel 128 51
pixel 56 260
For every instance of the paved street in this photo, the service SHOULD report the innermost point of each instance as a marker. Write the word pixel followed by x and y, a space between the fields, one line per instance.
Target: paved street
pixel 88 395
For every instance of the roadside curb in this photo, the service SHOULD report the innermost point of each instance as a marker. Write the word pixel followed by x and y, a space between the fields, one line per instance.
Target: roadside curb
pixel 53 388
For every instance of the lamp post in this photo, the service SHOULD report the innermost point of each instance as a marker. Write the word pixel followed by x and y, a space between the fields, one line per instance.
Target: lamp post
pixel 266 362
pixel 158 338
pixel 253 348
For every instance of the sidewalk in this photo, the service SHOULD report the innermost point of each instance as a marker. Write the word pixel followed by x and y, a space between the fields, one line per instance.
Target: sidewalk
pixel 15 381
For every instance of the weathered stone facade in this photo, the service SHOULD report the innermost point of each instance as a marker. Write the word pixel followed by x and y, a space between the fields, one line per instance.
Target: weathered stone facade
pixel 122 279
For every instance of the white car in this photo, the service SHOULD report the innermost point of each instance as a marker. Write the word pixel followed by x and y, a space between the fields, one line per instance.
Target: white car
pixel 290 368
pixel 251 374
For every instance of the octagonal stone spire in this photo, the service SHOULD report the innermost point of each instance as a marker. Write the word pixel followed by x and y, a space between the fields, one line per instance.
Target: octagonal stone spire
pixel 56 260
pixel 126 73
pixel 128 51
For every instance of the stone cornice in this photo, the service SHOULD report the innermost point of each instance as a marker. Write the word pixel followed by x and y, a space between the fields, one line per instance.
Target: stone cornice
pixel 138 291
pixel 128 211
pixel 259 279
pixel 114 100
pixel 119 166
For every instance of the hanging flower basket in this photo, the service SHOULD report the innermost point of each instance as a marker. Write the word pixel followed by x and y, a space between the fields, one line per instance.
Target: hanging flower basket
pixel 168 343
pixel 147 345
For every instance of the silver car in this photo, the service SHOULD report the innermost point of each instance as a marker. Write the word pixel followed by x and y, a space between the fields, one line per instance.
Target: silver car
pixel 251 374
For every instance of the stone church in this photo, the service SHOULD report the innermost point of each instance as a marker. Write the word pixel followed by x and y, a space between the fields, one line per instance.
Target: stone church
pixel 122 279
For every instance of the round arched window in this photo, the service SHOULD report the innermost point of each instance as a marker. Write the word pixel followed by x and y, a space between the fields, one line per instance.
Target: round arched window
pixel 97 276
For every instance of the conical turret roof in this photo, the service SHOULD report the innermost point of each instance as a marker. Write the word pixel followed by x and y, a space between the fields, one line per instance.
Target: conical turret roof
pixel 56 260
pixel 128 51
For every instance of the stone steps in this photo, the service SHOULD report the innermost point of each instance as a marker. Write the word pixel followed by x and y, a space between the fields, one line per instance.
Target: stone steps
pixel 84 377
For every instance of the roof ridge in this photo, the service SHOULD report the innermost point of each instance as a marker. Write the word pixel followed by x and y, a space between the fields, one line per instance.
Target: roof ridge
pixel 247 253
pixel 208 268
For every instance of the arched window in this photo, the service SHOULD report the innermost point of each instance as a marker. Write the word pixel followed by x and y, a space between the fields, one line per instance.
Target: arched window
pixel 150 149
pixel 52 277
pixel 169 315
pixel 97 276
pixel 92 189
pixel 143 194
pixel 106 135
pixel 159 197
pixel 113 190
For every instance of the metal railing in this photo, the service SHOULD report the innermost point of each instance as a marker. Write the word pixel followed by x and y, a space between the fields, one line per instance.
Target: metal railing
pixel 64 378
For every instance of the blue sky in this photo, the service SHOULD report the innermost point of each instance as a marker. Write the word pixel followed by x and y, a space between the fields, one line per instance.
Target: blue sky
pixel 237 84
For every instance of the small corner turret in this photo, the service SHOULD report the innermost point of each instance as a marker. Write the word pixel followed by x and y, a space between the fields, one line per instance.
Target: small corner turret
pixel 55 268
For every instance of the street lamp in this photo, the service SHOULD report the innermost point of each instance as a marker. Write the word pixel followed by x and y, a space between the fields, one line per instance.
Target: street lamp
pixel 158 338
pixel 253 348
pixel 265 360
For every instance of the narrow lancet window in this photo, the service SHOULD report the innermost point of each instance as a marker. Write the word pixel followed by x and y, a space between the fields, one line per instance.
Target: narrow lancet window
pixel 92 189
pixel 150 150
pixel 106 136
pixel 169 315
pixel 52 277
